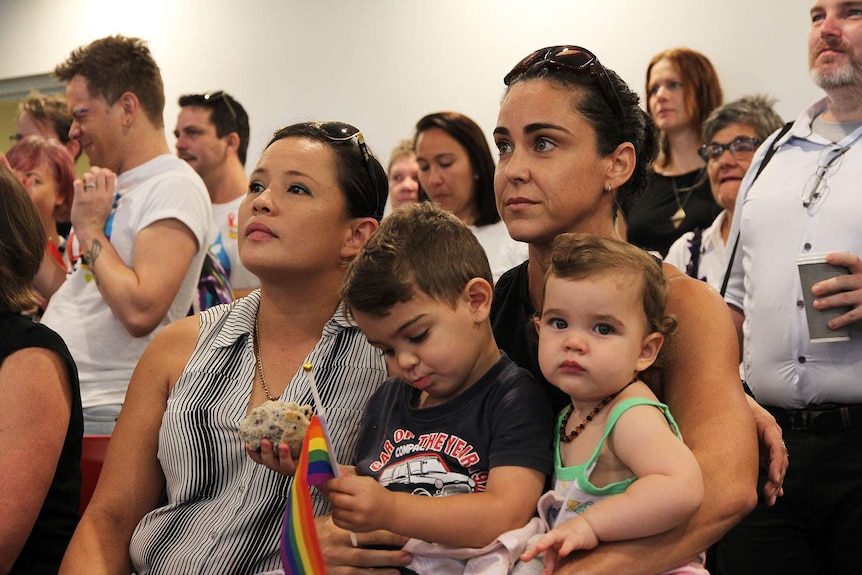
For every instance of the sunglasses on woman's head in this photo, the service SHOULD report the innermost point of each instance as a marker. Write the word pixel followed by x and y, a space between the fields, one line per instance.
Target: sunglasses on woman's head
pixel 341 132
pixel 571 59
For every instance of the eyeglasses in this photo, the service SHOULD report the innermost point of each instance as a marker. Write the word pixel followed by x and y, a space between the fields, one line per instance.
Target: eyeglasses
pixel 221 95
pixel 741 148
pixel 573 59
pixel 817 187
pixel 341 132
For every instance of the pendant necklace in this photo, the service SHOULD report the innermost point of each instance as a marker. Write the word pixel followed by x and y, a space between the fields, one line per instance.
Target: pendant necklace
pixel 679 215
pixel 569 437
pixel 256 346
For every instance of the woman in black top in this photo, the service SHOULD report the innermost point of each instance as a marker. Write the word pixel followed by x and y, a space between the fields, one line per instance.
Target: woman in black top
pixel 40 421
pixel 574 148
pixel 682 89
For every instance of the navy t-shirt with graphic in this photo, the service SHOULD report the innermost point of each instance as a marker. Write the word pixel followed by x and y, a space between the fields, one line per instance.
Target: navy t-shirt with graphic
pixel 505 418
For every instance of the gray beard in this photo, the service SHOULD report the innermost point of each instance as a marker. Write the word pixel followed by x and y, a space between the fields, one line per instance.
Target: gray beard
pixel 849 74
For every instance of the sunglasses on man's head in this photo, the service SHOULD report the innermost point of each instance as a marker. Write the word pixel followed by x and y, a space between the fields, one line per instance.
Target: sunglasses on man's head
pixel 221 95
pixel 571 59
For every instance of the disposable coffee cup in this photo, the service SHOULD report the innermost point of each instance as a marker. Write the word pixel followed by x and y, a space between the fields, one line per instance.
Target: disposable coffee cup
pixel 813 269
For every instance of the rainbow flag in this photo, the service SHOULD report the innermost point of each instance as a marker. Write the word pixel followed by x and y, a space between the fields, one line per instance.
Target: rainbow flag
pixel 300 548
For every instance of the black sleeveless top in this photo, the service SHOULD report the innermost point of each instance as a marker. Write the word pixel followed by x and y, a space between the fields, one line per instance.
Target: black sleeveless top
pixel 648 219
pixel 512 315
pixel 44 549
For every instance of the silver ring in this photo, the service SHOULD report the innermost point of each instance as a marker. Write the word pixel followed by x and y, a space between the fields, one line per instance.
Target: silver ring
pixel 89 185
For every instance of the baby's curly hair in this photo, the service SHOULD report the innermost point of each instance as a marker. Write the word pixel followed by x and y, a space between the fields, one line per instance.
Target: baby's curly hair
pixel 575 256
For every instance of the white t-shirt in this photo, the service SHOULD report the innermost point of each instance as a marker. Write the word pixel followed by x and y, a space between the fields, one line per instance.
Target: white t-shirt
pixel 503 252
pixel 226 247
pixel 104 351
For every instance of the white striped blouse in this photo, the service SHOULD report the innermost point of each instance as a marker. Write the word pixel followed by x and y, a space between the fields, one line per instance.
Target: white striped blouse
pixel 224 512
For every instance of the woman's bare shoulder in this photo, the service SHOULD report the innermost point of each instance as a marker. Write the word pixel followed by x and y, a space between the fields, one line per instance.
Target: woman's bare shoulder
pixel 687 291
pixel 703 347
pixel 182 333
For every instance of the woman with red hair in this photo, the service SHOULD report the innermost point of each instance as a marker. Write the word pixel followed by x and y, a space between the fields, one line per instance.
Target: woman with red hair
pixel 47 171
pixel 682 88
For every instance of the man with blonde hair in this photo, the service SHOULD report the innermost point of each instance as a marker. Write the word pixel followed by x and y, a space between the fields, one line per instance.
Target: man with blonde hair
pixel 46 115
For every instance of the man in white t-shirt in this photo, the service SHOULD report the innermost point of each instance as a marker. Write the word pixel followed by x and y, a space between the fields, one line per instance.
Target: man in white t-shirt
pixel 141 220
pixel 212 136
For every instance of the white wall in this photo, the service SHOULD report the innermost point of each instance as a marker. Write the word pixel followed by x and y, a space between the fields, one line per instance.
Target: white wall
pixel 382 64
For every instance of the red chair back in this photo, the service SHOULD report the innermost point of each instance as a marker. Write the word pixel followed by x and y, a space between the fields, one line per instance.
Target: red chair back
pixel 93 452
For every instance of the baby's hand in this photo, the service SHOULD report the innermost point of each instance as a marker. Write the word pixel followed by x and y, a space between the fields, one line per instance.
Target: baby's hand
pixel 277 458
pixel 571 535
pixel 359 503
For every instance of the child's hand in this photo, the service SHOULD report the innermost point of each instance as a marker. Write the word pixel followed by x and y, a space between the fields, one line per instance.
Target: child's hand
pixel 359 503
pixel 573 534
pixel 277 458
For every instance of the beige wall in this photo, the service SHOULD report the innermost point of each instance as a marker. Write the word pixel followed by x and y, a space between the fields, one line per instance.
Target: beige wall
pixel 8 114
pixel 382 64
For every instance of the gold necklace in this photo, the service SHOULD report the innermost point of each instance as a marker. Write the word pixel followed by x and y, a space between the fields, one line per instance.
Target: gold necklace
pixel 679 215
pixel 569 437
pixel 256 346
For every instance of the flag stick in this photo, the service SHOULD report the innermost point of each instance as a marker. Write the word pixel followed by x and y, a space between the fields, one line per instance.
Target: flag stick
pixel 318 405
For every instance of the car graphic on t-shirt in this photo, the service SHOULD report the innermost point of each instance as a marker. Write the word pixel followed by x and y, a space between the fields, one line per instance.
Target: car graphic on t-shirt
pixel 425 475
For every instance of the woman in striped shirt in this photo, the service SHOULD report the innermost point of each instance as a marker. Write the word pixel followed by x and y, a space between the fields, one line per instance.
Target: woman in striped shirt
pixel 178 493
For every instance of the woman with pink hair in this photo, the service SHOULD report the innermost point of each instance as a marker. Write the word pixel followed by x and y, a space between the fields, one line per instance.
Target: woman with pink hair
pixel 47 171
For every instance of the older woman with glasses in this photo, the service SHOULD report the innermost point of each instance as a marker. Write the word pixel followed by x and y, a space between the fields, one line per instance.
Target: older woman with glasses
pixel 178 492
pixel 575 147
pixel 732 134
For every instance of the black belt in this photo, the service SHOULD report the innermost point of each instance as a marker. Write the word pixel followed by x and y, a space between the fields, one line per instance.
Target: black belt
pixel 820 419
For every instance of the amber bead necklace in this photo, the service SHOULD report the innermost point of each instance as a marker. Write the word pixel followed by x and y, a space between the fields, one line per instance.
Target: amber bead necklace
pixel 569 437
